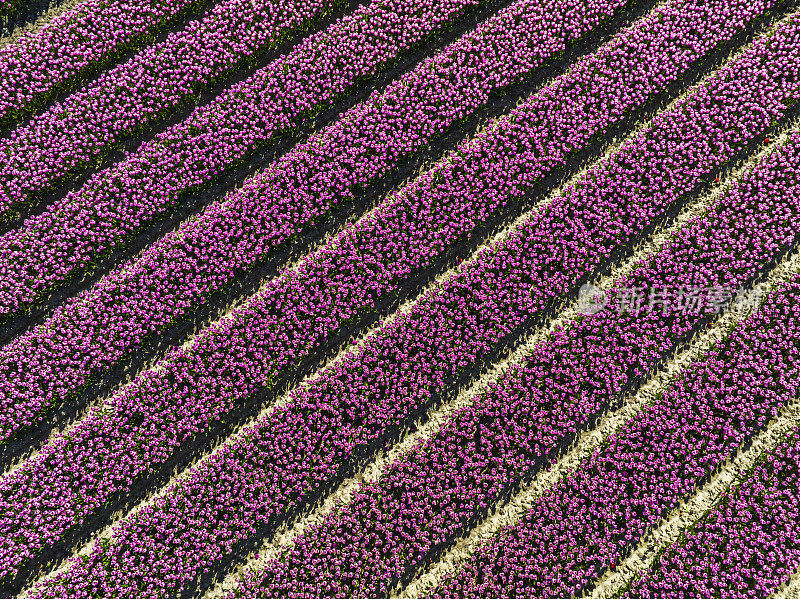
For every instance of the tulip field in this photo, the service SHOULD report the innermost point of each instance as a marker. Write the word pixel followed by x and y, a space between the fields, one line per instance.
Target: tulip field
pixel 400 299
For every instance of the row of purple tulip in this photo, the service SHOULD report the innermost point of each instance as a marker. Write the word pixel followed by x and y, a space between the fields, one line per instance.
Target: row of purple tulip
pixel 429 496
pixel 122 199
pixel 746 546
pixel 331 286
pixel 588 521
pixel 74 134
pixel 38 65
pixel 98 329
pixel 345 410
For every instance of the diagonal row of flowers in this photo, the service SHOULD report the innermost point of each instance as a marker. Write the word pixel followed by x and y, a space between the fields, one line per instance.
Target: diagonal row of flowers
pixel 98 328
pixel 123 198
pixel 74 134
pixel 38 65
pixel 101 327
pixel 747 545
pixel 431 496
pixel 342 413
pixel 588 521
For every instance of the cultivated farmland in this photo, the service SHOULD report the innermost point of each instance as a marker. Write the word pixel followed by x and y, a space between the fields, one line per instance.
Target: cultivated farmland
pixel 419 299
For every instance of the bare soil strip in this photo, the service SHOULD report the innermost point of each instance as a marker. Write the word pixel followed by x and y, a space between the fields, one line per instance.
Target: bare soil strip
pixel 790 590
pixel 35 16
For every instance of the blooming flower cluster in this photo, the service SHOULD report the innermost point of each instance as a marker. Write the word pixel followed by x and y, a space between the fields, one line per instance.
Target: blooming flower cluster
pixel 40 64
pixel 587 522
pixel 407 232
pixel 431 495
pixel 120 200
pixel 345 411
pixel 73 134
pixel 746 546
